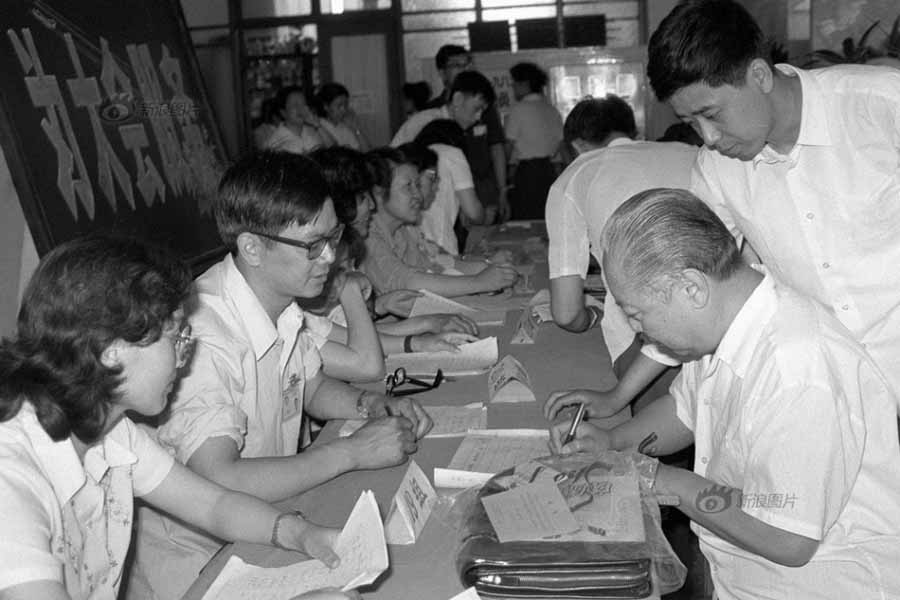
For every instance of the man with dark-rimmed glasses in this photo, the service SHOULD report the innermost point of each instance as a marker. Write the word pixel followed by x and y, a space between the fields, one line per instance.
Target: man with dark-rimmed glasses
pixel 236 416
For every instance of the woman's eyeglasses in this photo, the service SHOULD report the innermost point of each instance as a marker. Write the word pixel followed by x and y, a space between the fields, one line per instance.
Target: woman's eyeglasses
pixel 184 345
pixel 313 249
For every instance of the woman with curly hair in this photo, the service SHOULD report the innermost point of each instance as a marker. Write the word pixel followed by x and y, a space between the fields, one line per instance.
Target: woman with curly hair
pixel 101 335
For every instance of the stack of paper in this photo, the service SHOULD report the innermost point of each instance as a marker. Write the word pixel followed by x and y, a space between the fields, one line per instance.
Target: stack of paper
pixel 430 303
pixel 482 454
pixel 361 547
pixel 449 421
pixel 469 359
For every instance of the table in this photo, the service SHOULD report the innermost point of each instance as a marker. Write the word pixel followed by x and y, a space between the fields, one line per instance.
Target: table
pixel 425 570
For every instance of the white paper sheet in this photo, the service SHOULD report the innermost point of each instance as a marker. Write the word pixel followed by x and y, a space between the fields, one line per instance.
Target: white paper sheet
pixel 485 453
pixel 532 512
pixel 470 359
pixel 410 508
pixel 430 303
pixel 467 594
pixel 361 547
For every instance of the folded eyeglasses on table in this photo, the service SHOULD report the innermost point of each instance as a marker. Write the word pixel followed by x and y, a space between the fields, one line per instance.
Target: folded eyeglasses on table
pixel 399 378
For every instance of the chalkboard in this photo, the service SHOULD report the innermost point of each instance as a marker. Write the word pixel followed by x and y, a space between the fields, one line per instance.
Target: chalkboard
pixel 105 123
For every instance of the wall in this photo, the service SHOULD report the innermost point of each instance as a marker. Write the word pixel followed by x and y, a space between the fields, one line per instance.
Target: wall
pixel 834 20
pixel 18 257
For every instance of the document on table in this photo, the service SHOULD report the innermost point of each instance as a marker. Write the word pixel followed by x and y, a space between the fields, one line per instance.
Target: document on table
pixel 485 453
pixel 361 547
pixel 430 303
pixel 449 421
pixel 533 512
pixel 469 359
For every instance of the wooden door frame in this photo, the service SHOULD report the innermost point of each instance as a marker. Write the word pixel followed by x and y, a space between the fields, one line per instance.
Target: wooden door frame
pixel 366 23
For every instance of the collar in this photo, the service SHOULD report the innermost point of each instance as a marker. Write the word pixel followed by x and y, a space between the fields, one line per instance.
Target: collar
pixel 259 328
pixel 445 112
pixel 620 141
pixel 60 463
pixel 740 341
pixel 532 97
pixel 814 129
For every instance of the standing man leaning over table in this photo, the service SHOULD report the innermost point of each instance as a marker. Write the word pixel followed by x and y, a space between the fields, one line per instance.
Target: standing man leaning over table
pixel 485 142
pixel 236 418
pixel 611 167
pixel 803 165
pixel 795 493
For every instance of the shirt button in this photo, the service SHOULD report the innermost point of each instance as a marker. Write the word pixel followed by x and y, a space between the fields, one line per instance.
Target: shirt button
pixel 826 265
pixel 810 216
pixel 704 460
pixel 846 307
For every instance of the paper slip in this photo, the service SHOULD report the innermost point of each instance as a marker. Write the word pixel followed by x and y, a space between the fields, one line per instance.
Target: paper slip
pixel 532 512
pixel 468 594
pixel 485 453
pixel 449 421
pixel 430 303
pixel 410 507
pixel 361 547
pixel 606 505
pixel 536 312
pixel 470 359
pixel 509 382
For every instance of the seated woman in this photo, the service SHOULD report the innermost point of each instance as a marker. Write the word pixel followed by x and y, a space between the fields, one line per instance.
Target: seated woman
pixel 350 345
pixel 338 119
pixel 101 333
pixel 399 257
pixel 455 186
pixel 301 130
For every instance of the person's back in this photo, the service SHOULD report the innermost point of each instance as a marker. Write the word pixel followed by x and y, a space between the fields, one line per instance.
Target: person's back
pixel 589 191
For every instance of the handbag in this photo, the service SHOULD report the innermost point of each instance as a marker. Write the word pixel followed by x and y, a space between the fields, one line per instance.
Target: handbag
pixel 591 564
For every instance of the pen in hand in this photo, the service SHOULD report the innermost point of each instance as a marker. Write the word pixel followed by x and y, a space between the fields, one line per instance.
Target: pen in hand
pixel 576 421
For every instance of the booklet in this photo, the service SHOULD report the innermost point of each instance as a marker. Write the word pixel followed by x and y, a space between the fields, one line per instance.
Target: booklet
pixel 361 547
pixel 509 382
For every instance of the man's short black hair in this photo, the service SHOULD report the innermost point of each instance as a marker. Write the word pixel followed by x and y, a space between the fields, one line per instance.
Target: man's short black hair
pixel 473 83
pixel 531 74
pixel 446 52
pixel 708 41
pixel 593 120
pixel 265 192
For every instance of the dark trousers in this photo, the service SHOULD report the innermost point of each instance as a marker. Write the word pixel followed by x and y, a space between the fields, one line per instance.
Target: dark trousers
pixel 532 183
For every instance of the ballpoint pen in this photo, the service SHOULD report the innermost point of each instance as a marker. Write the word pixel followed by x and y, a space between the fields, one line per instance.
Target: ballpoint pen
pixel 576 421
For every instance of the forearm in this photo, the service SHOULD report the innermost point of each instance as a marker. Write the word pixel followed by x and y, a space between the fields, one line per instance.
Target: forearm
pixel 655 431
pixel 470 206
pixel 332 399
pixel 403 327
pixel 498 159
pixel 354 353
pixel 279 477
pixel 567 303
pixel 640 373
pixel 718 509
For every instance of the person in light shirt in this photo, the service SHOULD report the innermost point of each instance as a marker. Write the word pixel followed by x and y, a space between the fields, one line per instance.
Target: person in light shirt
pixel 455 188
pixel 338 119
pixel 534 133
pixel 795 490
pixel 300 130
pixel 611 166
pixel 237 416
pixel 102 336
pixel 802 165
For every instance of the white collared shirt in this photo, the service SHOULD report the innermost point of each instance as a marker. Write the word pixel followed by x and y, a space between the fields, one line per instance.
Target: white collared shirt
pixel 587 193
pixel 793 412
pixel 534 127
pixel 246 382
pixel 825 218
pixel 284 139
pixel 454 175
pixel 64 521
